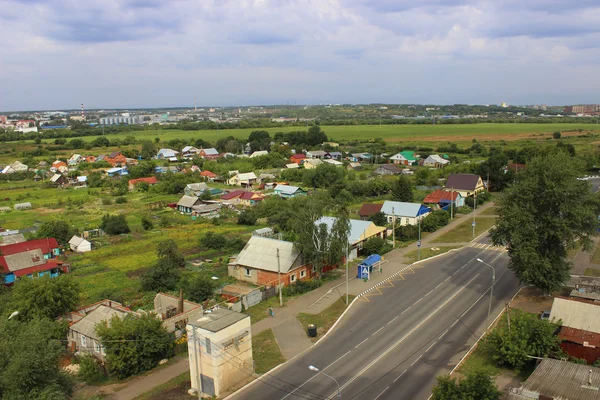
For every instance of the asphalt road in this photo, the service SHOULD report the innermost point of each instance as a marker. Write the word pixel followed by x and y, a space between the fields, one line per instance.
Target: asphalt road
pixel 395 340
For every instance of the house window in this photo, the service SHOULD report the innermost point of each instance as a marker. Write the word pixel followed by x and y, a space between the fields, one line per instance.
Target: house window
pixel 407 221
pixel 314 269
pixel 248 272
pixel 96 346
pixel 83 341
pixel 208 346
pixel 103 350
pixel 302 273
pixel 293 278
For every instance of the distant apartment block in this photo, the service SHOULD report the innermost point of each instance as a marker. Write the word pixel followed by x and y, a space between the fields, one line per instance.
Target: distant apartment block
pixel 583 109
pixel 120 120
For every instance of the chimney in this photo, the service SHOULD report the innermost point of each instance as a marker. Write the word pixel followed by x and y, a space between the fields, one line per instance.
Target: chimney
pixel 180 302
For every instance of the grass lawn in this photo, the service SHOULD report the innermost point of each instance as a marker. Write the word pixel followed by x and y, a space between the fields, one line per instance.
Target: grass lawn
pixel 266 352
pixel 464 232
pixel 596 255
pixel 489 211
pixel 261 310
pixel 592 272
pixel 428 252
pixel 325 319
pixel 571 253
pixel 175 389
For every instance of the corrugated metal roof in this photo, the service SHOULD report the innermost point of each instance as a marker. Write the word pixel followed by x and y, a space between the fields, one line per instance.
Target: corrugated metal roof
pixel 579 336
pixel 286 189
pixel 576 314
pixel 11 239
pixel 564 380
pixel 369 209
pixel 87 325
pixel 188 201
pixel 261 253
pixel 401 209
pixel 24 260
pixel 357 227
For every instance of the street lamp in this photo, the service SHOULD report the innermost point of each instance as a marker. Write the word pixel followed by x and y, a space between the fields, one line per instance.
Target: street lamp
pixel 491 290
pixel 318 371
pixel 14 314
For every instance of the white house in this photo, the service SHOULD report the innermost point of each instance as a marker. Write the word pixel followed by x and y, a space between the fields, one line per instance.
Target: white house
pixel 79 244
pixel 259 153
pixel 435 161
pixel 189 152
pixel 18 166
pixel 405 213
pixel 167 154
pixel 245 179
pixel 399 159
pixel 76 159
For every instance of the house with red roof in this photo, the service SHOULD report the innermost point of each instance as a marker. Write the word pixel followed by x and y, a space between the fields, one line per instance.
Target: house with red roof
pixel 116 159
pixel 210 176
pixel 443 198
pixel 151 181
pixel 298 158
pixel 368 210
pixel 31 258
pixel 242 197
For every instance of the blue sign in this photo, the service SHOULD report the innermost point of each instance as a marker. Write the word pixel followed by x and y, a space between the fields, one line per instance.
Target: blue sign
pixel 473 224
pixel 364 272
pixel 419 243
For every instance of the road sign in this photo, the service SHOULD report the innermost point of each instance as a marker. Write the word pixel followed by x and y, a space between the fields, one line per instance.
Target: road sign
pixel 419 243
pixel 364 272
pixel 473 224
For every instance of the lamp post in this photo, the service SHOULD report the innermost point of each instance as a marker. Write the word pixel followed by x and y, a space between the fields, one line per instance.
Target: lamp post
pixel 14 314
pixel 419 242
pixel 474 208
pixel 318 371
pixel 491 290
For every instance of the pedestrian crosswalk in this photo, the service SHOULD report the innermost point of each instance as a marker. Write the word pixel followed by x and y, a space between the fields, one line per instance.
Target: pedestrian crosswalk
pixel 487 246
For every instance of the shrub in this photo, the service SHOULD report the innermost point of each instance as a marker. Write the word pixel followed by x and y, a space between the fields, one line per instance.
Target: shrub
pixel 147 223
pixel 114 224
pixel 463 210
pixel 213 241
pixel 435 220
pixel 90 371
pixel 373 245
pixel 407 233
pixel 121 200
pixel 106 201
pixel 300 287
pixel 556 135
pixel 199 288
pixel 247 217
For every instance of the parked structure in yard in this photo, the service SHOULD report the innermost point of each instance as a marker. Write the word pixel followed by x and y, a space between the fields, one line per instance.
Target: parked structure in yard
pixel 79 244
pixel 245 179
pixel 466 184
pixel 175 312
pixel 220 350
pixel 258 260
pixel 387 169
pixel 288 192
pixel 360 232
pixel 31 258
pixel 435 161
pixel 441 198
pixel 559 380
pixel 405 213
pixel 151 181
pixel 186 203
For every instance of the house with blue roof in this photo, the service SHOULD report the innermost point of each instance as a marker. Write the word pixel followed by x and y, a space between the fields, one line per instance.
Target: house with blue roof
pixel 288 192
pixel 404 213
pixel 117 171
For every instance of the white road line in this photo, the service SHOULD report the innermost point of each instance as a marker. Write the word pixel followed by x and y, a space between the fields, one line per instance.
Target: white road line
pixel 313 377
pixel 356 347
pixel 429 348
pixel 406 310
pixel 442 335
pixel 417 301
pixel 378 330
pixel 381 393
pixel 431 291
pixel 456 272
pixel 403 338
pixel 452 326
pixel 489 246
pixel 414 362
pixel 400 376
pixel 447 279
pixel 396 317
pixel 440 284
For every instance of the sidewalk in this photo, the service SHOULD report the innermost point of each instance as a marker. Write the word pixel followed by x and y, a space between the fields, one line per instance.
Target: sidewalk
pixel 313 302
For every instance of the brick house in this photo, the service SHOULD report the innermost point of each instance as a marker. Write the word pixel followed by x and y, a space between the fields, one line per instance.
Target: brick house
pixel 116 159
pixel 151 181
pixel 297 158
pixel 257 263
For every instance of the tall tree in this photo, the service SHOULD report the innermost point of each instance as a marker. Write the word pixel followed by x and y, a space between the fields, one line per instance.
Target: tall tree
pixel 476 385
pixel 57 229
pixel 43 297
pixel 166 272
pixel 402 190
pixel 542 215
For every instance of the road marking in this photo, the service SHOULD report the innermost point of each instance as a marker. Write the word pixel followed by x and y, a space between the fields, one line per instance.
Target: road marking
pixel 393 319
pixel 403 338
pixel 378 330
pixel 414 362
pixel 442 335
pixel 452 326
pixel 406 310
pixel 356 347
pixel 381 393
pixel 431 291
pixel 456 272
pixel 400 376
pixel 313 377
pixel 417 301
pixel 429 348
pixel 447 279
pixel 441 284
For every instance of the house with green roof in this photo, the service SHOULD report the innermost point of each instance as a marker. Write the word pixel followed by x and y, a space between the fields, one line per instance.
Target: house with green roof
pixel 406 157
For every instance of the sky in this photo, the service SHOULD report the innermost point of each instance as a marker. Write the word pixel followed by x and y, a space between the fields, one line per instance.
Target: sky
pixel 57 54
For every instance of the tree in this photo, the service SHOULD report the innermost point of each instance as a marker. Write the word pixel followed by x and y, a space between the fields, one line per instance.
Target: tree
pixel 59 230
pixel 401 190
pixel 147 223
pixel 556 135
pixel 114 224
pixel 476 386
pixel 199 288
pixel 206 195
pixel 435 220
pixel 148 150
pixel 541 216
pixel 378 219
pixel 494 166
pixel 165 274
pixel 44 297
pixel 373 245
pixel 247 217
pixel 134 344
pixel 214 241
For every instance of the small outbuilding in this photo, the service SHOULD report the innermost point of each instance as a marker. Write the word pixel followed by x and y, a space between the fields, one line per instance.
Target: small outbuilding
pixel 79 244
pixel 365 268
pixel 22 206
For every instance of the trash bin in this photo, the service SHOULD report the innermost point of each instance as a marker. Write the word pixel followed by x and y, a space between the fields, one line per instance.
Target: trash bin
pixel 312 330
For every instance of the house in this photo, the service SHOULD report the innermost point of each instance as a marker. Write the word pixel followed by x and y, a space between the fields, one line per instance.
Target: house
pixel 22 206
pixel 215 338
pixel 559 380
pixel 82 335
pixel 288 192
pixel 318 154
pixel 175 312
pixel 167 154
pixel 435 161
pixel 266 177
pixel 580 330
pixel 297 158
pixel 354 166
pixel 263 232
pixel 404 213
pixel 81 182
pixel 310 163
pixel 116 159
pixel 101 157
pixel 90 159
pixel 79 244
pixel 442 199
pixel 368 209
pixel 31 258
pixel 189 152
pixel 18 166
pixel 150 181
pixel 336 155
pixel 63 170
pixel 58 180
pixel 292 166
pixel 195 189
pixel 387 169
pixel 117 171
pixel 11 238
pixel 210 176
pixel 206 210
pixel 242 197
pixel 185 204
pixel 75 159
pixel 257 263
pixel 360 232
pixel 245 179
pixel 399 159
pixel 57 164
pixel 466 184
pixel 335 163
pixel 210 153
pixel 358 157
pixel 259 153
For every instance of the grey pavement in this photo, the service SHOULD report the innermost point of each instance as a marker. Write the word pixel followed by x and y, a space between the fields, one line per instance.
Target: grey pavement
pixel 583 259
pixel 296 339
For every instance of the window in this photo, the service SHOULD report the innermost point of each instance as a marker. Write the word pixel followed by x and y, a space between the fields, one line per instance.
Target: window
pixel 208 346
pixel 83 341
pixel 293 278
pixel 96 346
pixel 407 221
pixel 103 350
pixel 314 269
pixel 302 273
pixel 248 272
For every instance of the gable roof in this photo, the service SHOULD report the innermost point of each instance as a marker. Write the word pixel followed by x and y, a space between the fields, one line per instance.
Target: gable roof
pixel 251 196
pixel 259 153
pixel 11 239
pixel 578 314
pixel 187 149
pixel 436 158
pixel 211 151
pixel 77 240
pixel 26 259
pixel 409 155
pixel 357 227
pixel 462 181
pixel 261 253
pixel 87 325
pixel 287 189
pixel 114 154
pixel 200 186
pixel 390 167
pixel 441 195
pixel 55 177
pixel 246 176
pixel 403 209
pixel 166 153
pixel 298 156
pixel 45 245
pixel 292 166
pixel 317 152
pixel 188 201
pixel 313 161
pixel 150 181
pixel 208 174
pixel 232 195
pixel 369 209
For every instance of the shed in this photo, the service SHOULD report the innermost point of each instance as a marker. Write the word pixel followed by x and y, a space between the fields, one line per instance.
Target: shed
pixel 79 244
pixel 22 206
pixel 5 209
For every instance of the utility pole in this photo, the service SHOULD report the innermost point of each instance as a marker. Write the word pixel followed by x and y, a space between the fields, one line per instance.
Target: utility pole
pixel 393 229
pixel 474 208
pixel 508 314
pixel 279 279
pixel 451 203
pixel 419 242
pixel 347 254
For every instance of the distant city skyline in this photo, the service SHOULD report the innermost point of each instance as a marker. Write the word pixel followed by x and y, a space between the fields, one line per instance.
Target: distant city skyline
pixel 152 54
